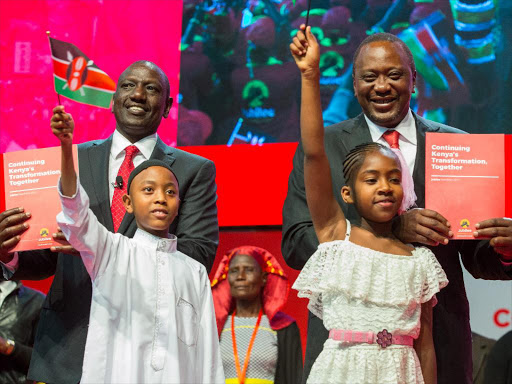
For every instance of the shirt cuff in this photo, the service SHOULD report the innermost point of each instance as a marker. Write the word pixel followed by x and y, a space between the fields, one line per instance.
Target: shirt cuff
pixel 11 266
pixel 59 188
pixel 505 263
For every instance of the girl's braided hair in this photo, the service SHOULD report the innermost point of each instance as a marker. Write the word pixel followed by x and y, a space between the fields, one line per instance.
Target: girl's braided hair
pixel 355 159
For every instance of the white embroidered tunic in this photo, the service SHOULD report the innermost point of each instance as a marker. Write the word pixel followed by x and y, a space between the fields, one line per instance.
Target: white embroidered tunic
pixel 152 318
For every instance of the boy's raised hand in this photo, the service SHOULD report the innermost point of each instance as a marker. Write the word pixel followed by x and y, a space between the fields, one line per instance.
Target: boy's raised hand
pixel 62 125
pixel 306 52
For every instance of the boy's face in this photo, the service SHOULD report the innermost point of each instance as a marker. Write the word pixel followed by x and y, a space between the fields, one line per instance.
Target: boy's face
pixel 154 200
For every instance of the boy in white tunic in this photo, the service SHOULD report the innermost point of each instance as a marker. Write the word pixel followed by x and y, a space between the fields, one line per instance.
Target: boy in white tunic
pixel 152 318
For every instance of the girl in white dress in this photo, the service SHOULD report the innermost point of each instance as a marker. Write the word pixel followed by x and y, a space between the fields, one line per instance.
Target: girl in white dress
pixel 374 293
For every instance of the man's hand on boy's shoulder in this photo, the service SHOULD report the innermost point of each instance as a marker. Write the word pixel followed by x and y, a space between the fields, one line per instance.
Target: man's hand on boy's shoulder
pixel 12 225
pixel 64 246
pixel 62 124
pixel 423 226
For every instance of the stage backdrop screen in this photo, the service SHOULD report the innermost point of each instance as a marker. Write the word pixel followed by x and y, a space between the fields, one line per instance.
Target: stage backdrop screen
pixel 111 33
pixel 239 83
pixel 236 95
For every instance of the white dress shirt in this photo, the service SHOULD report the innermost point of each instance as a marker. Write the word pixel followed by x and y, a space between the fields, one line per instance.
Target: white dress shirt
pixel 407 140
pixel 152 318
pixel 6 288
pixel 117 152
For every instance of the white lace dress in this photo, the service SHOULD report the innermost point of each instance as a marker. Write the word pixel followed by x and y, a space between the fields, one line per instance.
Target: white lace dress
pixel 355 288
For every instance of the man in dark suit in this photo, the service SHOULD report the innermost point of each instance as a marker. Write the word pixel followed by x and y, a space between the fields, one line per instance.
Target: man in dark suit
pixel 140 102
pixel 20 307
pixel 482 346
pixel 498 368
pixel 383 89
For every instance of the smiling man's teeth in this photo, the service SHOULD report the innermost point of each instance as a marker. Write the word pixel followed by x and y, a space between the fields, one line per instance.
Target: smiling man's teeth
pixel 136 109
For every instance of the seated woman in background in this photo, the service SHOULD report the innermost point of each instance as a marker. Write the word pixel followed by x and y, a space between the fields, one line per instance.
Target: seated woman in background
pixel 259 344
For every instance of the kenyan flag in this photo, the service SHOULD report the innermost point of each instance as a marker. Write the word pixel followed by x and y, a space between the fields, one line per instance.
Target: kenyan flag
pixel 78 78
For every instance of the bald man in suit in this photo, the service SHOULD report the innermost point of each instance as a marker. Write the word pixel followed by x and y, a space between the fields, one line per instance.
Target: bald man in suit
pixel 140 102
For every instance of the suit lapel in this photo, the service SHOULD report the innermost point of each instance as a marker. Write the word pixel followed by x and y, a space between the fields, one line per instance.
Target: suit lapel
pixel 163 152
pixel 160 152
pixel 355 133
pixel 95 169
pixel 480 351
pixel 422 127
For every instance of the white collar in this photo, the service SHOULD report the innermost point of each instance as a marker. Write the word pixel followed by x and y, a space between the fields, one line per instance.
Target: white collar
pixel 406 128
pixel 168 245
pixel 145 145
pixel 6 287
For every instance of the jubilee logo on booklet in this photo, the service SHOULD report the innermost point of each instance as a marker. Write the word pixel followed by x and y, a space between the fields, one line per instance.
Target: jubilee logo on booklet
pixel 29 180
pixel 468 178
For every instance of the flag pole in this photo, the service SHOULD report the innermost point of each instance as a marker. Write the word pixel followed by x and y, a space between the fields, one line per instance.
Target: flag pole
pixel 48 34
pixel 307 15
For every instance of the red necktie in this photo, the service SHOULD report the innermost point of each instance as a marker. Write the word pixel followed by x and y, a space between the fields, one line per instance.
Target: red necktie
pixel 391 136
pixel 126 168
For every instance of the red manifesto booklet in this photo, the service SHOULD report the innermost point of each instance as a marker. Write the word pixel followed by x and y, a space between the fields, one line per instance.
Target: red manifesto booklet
pixel 29 180
pixel 468 178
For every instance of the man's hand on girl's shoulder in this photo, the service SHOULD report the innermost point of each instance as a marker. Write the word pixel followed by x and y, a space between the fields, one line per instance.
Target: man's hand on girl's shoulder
pixel 423 226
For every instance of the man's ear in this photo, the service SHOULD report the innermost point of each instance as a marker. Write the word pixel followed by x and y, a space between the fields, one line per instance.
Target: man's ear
pixel 346 194
pixel 168 107
pixel 127 202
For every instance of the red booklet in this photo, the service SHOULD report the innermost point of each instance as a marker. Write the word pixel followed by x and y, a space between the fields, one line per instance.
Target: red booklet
pixel 468 178
pixel 29 180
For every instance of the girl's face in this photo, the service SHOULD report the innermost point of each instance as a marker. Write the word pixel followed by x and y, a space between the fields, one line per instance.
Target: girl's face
pixel 377 190
pixel 245 277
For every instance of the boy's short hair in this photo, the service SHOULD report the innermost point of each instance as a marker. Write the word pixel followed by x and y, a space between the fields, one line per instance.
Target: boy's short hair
pixel 145 165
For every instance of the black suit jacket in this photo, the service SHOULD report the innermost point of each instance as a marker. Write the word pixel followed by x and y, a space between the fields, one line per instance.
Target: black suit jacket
pixel 452 334
pixel 498 369
pixel 60 340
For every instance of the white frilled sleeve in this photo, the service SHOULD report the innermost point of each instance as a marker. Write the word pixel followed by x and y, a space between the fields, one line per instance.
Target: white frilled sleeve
pixel 96 244
pixel 434 278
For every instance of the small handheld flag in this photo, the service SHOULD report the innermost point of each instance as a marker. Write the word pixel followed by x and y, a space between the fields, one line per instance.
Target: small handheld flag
pixel 77 77
pixel 307 15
